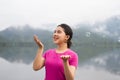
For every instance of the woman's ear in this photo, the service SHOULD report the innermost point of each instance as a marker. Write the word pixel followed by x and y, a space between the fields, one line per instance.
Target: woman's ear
pixel 67 37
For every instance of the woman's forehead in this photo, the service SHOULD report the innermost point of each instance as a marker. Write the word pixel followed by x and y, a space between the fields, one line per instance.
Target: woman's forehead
pixel 59 28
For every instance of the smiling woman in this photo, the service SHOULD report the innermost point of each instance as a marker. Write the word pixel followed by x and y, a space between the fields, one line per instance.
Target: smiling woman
pixel 60 63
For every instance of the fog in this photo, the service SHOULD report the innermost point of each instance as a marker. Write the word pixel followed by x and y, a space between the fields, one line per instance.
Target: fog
pixel 21 71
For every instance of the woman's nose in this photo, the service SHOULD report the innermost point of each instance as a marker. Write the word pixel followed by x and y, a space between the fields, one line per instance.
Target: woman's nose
pixel 54 33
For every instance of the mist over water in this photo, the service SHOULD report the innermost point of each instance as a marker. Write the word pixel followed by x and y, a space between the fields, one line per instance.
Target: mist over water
pixel 18 71
pixel 22 71
pixel 16 66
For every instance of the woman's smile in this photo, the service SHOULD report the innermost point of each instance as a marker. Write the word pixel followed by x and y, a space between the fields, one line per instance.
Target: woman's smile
pixel 55 38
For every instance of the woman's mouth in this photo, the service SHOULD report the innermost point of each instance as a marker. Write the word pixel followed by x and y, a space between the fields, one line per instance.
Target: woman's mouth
pixel 55 38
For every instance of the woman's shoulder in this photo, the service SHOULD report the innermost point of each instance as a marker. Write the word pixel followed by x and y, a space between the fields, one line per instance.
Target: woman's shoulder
pixel 49 50
pixel 71 52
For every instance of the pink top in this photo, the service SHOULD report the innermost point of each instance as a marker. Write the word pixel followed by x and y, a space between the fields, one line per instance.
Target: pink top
pixel 54 65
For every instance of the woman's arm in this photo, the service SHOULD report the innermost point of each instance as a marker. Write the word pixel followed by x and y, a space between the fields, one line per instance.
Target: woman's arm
pixel 68 70
pixel 38 62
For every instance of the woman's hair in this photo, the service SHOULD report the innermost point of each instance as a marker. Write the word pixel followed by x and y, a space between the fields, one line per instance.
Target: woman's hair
pixel 68 31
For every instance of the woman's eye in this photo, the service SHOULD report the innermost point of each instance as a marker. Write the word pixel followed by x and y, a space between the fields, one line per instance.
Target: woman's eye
pixel 58 31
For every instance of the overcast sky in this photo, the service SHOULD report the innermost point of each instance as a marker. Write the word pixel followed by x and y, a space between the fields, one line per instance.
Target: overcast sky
pixel 37 12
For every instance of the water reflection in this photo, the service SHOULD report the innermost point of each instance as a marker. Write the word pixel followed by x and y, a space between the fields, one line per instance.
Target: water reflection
pixel 97 62
pixel 93 73
pixel 21 71
pixel 18 71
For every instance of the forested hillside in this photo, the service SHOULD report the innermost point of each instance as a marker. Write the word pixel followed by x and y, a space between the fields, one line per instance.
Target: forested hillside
pixel 88 40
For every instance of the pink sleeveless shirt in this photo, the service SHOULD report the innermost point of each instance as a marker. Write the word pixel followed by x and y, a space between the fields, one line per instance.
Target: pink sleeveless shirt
pixel 54 64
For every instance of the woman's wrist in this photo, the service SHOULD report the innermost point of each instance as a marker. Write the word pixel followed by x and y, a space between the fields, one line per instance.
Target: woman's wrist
pixel 65 62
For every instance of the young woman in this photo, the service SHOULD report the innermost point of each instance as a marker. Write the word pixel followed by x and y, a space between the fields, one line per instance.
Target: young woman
pixel 60 63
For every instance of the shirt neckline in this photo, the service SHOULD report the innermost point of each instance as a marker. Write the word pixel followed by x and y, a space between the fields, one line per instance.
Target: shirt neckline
pixel 60 53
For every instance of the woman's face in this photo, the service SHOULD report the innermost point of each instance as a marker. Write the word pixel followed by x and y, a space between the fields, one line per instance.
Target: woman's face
pixel 59 36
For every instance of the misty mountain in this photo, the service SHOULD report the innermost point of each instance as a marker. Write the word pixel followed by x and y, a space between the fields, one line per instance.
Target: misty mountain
pixel 89 41
pixel 113 25
pixel 85 36
pixel 108 29
pixel 24 34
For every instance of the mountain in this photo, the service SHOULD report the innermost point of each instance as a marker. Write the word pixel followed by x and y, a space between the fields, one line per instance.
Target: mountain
pixel 25 34
pixel 89 41
pixel 96 38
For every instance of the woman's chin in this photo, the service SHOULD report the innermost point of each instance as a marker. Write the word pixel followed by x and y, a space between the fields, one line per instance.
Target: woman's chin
pixel 56 42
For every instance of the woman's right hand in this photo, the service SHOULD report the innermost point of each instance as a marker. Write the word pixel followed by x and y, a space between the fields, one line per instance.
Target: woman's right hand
pixel 38 42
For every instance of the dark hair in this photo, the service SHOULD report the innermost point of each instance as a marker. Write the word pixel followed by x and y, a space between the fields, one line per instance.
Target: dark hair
pixel 68 31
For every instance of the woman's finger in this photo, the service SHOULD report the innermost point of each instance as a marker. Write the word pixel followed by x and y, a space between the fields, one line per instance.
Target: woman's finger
pixel 65 56
pixel 38 42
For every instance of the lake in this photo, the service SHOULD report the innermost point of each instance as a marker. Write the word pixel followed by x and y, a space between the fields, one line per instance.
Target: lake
pixel 89 70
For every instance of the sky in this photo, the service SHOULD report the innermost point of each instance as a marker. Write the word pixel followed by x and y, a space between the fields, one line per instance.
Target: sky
pixel 38 12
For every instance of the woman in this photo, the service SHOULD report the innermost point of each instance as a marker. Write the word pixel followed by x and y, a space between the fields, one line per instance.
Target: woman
pixel 60 63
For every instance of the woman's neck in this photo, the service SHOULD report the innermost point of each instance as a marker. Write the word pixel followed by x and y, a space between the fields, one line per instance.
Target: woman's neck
pixel 62 48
